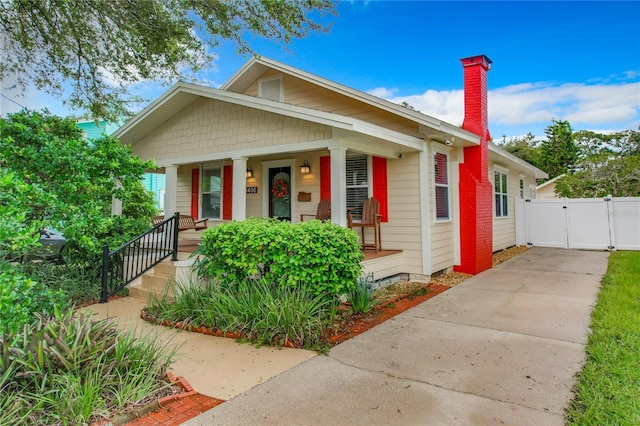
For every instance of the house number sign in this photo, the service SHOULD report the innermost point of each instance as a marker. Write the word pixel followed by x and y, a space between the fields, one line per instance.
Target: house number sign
pixel 252 189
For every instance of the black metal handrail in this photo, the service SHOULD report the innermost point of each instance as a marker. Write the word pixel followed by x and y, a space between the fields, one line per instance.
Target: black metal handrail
pixel 123 265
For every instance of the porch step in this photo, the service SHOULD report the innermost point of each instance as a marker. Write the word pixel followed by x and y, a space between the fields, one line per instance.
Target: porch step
pixel 161 279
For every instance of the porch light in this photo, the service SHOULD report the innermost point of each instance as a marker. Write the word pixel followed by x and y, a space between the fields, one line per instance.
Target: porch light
pixel 249 172
pixel 305 168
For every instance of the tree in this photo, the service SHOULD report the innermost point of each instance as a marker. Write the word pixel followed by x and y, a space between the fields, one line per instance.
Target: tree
pixel 101 47
pixel 55 178
pixel 559 153
pixel 609 165
pixel 524 147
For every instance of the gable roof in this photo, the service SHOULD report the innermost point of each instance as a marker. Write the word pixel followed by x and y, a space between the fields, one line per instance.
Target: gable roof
pixel 182 94
pixel 258 65
pixel 519 162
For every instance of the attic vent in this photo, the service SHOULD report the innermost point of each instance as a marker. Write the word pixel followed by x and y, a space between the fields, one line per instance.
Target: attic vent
pixel 271 89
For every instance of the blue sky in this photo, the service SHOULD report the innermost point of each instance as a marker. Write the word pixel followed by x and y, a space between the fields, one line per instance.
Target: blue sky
pixel 577 61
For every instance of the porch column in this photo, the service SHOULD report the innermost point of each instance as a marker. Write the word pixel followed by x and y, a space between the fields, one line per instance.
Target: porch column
pixel 339 185
pixel 171 188
pixel 239 199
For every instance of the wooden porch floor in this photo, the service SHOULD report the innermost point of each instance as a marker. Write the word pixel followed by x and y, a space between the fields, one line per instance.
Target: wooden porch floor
pixel 191 245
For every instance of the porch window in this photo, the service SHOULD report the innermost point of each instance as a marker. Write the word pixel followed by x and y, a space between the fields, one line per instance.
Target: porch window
pixel 211 191
pixel 500 192
pixel 357 182
pixel 441 185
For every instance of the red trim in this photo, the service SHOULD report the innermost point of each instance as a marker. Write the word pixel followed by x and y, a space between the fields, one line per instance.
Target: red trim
pixel 379 166
pixel 325 178
pixel 227 192
pixel 195 191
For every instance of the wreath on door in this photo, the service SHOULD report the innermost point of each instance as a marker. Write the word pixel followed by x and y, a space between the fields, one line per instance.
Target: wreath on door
pixel 280 189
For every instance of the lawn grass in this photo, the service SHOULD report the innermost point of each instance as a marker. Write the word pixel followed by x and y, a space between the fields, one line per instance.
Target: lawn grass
pixel 608 388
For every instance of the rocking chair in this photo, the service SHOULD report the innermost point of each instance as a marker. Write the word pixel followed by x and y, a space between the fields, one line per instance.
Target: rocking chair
pixel 370 218
pixel 323 213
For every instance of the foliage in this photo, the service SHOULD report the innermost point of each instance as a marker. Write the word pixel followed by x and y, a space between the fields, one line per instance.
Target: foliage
pixel 103 47
pixel 607 391
pixel 609 165
pixel 17 199
pixel 263 313
pixel 525 148
pixel 80 283
pixel 361 297
pixel 559 152
pixel 73 182
pixel 67 369
pixel 322 257
pixel 21 298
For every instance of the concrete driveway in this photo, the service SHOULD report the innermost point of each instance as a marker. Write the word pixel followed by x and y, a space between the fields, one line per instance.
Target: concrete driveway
pixel 501 348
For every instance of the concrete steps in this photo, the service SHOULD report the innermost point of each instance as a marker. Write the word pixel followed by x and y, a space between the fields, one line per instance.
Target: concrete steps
pixel 161 280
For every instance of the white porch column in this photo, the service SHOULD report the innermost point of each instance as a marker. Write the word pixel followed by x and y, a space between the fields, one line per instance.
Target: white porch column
pixel 171 188
pixel 239 203
pixel 338 185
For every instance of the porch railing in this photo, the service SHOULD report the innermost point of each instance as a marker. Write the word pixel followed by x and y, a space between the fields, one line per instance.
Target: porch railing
pixel 123 265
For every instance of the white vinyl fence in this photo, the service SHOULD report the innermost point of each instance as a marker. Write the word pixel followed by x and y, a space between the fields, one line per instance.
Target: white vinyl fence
pixel 580 223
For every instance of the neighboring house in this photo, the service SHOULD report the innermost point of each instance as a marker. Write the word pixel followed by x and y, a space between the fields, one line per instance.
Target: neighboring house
pixel 547 190
pixel 447 195
pixel 154 182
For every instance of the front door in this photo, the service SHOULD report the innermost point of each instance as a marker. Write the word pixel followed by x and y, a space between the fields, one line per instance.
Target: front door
pixel 280 195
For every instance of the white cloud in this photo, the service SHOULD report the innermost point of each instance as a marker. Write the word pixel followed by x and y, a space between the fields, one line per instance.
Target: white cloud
pixel 382 92
pixel 535 104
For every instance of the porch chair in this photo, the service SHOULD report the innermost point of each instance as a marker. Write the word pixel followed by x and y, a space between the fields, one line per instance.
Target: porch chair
pixel 370 218
pixel 323 213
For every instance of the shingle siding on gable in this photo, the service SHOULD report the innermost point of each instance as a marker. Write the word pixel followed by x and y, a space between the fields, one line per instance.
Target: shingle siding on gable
pixel 211 126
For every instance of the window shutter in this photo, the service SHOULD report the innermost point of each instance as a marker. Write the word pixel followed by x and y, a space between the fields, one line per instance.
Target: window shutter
pixel 195 191
pixel 441 186
pixel 227 192
pixel 379 166
pixel 325 177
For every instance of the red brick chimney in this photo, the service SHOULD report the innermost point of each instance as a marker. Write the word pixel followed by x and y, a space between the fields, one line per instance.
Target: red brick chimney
pixel 476 191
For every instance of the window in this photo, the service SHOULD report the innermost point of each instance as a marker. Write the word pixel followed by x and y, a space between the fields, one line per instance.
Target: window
pixel 521 187
pixel 271 89
pixel 500 191
pixel 442 185
pixel 211 191
pixel 357 182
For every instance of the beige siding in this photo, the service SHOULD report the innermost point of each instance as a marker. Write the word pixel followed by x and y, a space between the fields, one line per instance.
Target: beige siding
pixel 442 232
pixel 504 228
pixel 305 94
pixel 403 231
pixel 210 126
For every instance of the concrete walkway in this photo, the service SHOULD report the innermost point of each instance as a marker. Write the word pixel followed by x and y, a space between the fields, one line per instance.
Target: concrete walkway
pixel 501 348
pixel 214 366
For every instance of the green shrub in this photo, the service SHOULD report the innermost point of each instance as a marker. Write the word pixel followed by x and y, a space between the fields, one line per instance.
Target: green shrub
pixel 263 313
pixel 67 369
pixel 361 297
pixel 21 298
pixel 322 257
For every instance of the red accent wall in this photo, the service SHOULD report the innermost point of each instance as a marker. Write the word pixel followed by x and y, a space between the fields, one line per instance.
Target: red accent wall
pixel 227 192
pixel 195 191
pixel 379 166
pixel 325 177
pixel 475 190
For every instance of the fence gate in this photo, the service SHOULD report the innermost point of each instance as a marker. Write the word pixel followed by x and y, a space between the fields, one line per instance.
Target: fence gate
pixel 580 223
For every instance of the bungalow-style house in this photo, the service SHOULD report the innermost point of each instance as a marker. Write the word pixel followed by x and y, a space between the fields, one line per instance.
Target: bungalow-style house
pixel 274 141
